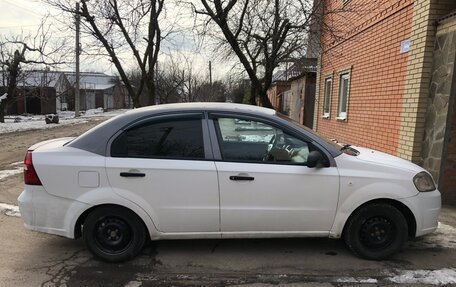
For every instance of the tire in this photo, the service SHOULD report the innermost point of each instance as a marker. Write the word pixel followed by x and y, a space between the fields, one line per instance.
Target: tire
pixel 376 231
pixel 114 234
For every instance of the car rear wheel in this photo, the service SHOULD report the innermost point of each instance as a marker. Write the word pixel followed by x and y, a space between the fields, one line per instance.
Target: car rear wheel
pixel 114 234
pixel 376 231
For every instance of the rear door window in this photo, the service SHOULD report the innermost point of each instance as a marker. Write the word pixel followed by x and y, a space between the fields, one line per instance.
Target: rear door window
pixel 173 139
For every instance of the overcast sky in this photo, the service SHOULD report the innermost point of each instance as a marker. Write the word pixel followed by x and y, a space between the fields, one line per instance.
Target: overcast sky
pixel 20 15
pixel 23 17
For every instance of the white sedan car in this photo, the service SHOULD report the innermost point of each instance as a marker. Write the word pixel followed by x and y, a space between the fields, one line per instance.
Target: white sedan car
pixel 217 170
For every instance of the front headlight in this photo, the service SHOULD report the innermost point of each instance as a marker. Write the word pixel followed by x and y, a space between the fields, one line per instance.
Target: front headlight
pixel 424 182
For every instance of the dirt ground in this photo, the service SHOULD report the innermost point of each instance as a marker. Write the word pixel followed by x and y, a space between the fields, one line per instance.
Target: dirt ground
pixel 14 145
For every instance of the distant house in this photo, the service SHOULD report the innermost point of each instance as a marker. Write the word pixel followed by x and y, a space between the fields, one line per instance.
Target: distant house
pixel 36 93
pixel 293 91
pixel 98 90
pixel 44 92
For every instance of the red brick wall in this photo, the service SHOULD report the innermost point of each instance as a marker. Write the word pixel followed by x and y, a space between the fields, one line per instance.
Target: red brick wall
pixel 370 46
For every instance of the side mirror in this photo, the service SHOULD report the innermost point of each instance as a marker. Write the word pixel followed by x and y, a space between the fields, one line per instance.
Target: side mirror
pixel 314 159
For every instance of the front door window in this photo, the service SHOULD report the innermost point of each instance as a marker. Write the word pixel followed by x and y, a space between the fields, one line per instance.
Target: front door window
pixel 253 141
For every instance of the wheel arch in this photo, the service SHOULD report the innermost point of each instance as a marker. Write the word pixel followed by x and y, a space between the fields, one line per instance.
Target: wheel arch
pixel 82 217
pixel 406 212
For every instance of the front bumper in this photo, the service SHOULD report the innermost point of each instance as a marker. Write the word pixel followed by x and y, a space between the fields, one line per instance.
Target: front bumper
pixel 426 208
pixel 47 213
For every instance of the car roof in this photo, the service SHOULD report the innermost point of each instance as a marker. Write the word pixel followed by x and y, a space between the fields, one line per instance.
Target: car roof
pixel 206 106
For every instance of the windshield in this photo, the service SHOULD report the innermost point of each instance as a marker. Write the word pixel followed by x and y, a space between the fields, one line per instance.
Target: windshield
pixel 345 148
pixel 333 143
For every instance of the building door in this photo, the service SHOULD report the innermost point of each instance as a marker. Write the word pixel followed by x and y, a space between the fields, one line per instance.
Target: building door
pixel 90 100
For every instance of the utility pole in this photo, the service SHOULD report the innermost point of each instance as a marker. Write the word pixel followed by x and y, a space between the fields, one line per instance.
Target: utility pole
pixel 76 88
pixel 210 72
pixel 157 96
pixel 24 93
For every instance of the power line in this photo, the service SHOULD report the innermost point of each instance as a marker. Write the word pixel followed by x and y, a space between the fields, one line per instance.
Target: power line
pixel 18 26
pixel 23 8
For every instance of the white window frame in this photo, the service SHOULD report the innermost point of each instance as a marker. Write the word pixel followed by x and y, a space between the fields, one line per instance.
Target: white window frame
pixel 342 111
pixel 327 97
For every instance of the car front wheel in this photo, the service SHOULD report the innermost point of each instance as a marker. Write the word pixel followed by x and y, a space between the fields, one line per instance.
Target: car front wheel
pixel 114 234
pixel 376 231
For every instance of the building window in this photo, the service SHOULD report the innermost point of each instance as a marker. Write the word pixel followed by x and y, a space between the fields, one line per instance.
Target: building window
pixel 327 97
pixel 344 82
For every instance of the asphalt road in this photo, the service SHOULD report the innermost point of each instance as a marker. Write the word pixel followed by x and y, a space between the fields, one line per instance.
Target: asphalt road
pixel 35 259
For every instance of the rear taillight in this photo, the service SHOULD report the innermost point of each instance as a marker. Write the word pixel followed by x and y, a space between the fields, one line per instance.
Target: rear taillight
pixel 30 176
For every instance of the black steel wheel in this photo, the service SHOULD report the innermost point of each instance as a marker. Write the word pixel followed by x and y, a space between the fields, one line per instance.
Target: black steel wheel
pixel 376 231
pixel 114 234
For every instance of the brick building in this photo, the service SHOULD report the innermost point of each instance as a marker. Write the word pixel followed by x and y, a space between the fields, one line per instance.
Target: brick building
pixel 385 80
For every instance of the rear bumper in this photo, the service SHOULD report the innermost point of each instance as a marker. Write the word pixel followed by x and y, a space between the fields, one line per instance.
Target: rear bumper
pixel 47 213
pixel 426 208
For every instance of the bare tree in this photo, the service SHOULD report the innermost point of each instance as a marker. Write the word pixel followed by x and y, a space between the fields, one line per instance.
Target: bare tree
pixel 171 79
pixel 178 79
pixel 211 92
pixel 261 33
pixel 21 52
pixel 120 28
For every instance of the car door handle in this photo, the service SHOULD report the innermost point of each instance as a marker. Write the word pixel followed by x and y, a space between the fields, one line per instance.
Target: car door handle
pixel 132 174
pixel 238 177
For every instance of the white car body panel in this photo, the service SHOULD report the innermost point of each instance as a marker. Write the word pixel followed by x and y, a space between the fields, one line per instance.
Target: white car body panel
pixel 60 168
pixel 380 158
pixel 57 164
pixel 44 212
pixel 173 191
pixel 426 208
pixel 363 178
pixel 107 195
pixel 280 198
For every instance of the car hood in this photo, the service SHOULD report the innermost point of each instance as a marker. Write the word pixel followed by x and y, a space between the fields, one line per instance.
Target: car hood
pixel 381 158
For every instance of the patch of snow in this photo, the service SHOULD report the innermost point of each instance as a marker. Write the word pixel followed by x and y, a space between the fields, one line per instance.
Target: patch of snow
pixel 443 237
pixel 434 277
pixel 93 112
pixel 10 172
pixel 32 122
pixel 356 280
pixel 133 284
pixel 99 112
pixel 16 163
pixel 10 210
